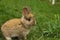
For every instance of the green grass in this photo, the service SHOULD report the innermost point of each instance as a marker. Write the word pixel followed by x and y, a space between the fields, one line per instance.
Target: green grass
pixel 47 17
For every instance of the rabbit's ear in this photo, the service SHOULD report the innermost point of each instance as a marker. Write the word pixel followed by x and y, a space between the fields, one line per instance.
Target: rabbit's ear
pixel 25 11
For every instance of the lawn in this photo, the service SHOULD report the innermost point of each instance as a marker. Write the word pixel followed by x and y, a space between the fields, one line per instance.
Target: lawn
pixel 47 17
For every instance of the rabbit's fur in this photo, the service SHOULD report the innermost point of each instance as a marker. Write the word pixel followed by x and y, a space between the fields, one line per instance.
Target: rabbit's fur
pixel 18 27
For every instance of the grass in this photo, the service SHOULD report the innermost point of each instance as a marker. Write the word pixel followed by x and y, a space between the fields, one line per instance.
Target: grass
pixel 47 17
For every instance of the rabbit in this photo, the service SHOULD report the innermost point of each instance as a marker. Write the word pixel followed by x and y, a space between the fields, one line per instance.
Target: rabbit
pixel 19 27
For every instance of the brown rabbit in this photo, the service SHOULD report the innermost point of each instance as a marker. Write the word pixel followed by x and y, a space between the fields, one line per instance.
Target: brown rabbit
pixel 18 28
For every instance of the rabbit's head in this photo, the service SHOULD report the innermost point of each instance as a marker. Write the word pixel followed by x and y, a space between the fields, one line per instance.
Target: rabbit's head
pixel 27 17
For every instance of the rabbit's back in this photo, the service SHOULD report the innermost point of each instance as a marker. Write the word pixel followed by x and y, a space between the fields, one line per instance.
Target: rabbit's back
pixel 12 27
pixel 12 22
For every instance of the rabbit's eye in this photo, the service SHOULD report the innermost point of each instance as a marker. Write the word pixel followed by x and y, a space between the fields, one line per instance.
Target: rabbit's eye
pixel 28 19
